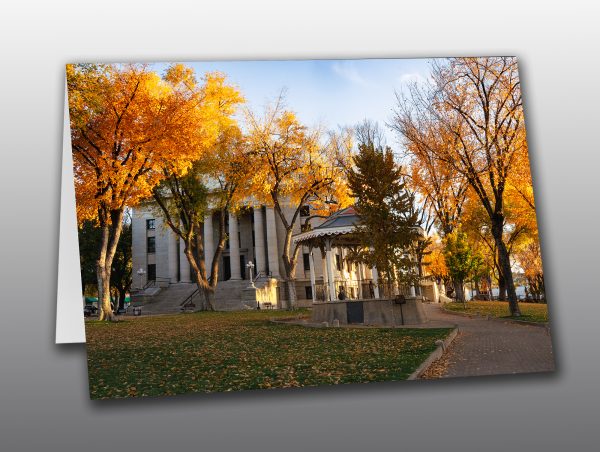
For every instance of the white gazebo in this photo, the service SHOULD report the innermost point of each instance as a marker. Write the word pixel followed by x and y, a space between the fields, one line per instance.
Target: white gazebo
pixel 351 292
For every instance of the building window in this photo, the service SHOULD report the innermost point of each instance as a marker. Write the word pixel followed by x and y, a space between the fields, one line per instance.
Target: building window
pixel 306 257
pixel 151 224
pixel 308 290
pixel 151 245
pixel 305 211
pixel 338 262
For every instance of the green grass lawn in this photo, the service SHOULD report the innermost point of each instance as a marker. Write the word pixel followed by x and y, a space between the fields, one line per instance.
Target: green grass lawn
pixel 230 351
pixel 532 312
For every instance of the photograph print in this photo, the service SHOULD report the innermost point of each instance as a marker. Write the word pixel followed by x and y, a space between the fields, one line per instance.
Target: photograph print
pixel 291 223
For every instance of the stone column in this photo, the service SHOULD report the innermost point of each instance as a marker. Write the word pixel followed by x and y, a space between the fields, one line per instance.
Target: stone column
pixel 273 248
pixel 172 245
pixel 311 264
pixel 209 243
pixel 375 282
pixel 413 292
pixel 259 241
pixel 329 265
pixel 234 248
pixel 184 265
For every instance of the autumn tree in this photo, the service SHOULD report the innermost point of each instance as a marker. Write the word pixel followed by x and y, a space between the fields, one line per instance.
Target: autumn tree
pixel 529 259
pixel 517 230
pixel 435 263
pixel 293 166
pixel 442 190
pixel 477 104
pixel 462 263
pixel 389 229
pixel 214 186
pixel 127 125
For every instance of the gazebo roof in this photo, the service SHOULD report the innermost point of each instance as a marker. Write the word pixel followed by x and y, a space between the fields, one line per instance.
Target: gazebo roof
pixel 340 223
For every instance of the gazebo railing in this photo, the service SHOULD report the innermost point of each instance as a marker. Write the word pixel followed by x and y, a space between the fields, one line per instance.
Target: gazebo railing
pixel 321 292
pixel 352 292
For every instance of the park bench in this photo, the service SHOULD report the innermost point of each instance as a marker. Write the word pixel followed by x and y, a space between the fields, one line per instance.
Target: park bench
pixel 136 309
pixel 267 305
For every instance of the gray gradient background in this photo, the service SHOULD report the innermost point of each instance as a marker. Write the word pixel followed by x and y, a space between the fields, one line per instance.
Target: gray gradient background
pixel 43 387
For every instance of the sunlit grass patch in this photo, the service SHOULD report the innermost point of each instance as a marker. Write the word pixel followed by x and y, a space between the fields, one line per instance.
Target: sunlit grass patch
pixel 532 312
pixel 230 351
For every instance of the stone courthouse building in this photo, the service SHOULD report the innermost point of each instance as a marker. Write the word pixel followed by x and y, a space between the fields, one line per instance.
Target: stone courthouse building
pixel 256 235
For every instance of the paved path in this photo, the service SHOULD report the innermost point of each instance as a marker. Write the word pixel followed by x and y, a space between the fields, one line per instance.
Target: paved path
pixel 491 347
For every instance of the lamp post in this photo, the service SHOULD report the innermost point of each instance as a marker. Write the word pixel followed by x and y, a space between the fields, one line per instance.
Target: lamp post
pixel 250 267
pixel 141 273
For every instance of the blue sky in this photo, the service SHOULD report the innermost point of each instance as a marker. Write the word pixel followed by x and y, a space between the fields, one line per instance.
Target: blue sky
pixel 328 92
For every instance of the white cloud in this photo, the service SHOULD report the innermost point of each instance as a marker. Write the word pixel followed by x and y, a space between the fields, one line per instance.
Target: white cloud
pixel 347 70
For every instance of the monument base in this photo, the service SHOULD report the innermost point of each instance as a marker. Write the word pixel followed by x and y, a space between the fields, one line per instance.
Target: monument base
pixel 377 312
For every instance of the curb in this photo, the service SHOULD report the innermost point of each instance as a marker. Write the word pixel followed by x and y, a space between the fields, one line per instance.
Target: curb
pixel 435 355
pixel 498 319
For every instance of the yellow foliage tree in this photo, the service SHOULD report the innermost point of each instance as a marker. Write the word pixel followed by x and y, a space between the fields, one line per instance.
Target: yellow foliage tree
pixel 477 103
pixel 215 185
pixel 127 125
pixel 292 167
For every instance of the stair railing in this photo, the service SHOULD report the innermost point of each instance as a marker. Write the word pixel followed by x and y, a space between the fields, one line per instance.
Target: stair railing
pixel 262 275
pixel 152 282
pixel 189 300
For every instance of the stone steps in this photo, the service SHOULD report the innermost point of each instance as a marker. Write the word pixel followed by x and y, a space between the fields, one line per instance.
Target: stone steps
pixel 228 297
pixel 168 300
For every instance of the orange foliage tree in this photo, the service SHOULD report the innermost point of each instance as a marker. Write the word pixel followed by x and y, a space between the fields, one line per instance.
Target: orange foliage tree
pixel 127 125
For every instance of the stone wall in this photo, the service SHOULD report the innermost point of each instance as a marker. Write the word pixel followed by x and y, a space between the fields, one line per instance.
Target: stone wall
pixel 380 312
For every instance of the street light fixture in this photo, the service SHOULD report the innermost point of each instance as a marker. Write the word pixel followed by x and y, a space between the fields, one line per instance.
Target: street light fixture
pixel 250 267
pixel 141 273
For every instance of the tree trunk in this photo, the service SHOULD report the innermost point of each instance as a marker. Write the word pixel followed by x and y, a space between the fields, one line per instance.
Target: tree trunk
pixel 291 293
pixel 504 264
pixel 501 286
pixel 459 291
pixel 208 303
pixel 112 224
pixel 289 264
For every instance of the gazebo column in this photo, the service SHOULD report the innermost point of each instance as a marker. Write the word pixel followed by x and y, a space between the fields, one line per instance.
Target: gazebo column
pixel 329 265
pixel 359 279
pixel 324 272
pixel 311 264
pixel 375 282
pixel 234 248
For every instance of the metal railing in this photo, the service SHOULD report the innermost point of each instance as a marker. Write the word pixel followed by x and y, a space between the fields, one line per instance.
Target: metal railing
pixel 153 282
pixel 363 290
pixel 189 300
pixel 262 275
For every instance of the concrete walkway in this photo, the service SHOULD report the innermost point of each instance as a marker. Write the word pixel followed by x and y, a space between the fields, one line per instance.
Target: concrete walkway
pixel 491 347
